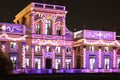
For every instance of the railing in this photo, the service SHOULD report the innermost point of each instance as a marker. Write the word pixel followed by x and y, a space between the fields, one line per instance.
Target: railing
pixel 49 6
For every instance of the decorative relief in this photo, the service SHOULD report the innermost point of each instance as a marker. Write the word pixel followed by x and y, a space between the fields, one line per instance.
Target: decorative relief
pixel 11 28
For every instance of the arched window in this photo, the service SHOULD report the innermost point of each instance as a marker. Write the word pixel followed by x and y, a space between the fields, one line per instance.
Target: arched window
pixel 48 26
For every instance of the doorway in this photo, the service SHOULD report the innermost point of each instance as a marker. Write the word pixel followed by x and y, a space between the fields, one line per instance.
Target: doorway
pixel 48 63
pixel 78 63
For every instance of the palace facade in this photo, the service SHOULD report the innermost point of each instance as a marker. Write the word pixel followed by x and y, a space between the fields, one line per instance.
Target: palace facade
pixel 39 39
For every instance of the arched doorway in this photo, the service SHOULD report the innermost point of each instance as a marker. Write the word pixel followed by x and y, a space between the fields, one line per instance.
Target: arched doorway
pixel 48 63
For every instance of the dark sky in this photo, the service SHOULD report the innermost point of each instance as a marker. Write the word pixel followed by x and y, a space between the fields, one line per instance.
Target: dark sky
pixel 90 14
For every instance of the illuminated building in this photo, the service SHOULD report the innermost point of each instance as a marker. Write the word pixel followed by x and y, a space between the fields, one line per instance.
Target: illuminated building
pixel 40 40
pixel 96 51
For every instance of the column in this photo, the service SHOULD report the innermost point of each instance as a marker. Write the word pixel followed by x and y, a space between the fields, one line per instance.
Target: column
pixel 43 28
pixel 32 56
pixel 63 56
pixel 73 57
pixel 43 56
pixel 84 56
pixel 53 57
pixel 3 46
pixel 114 58
pixel 23 55
pixel 99 57
pixel 53 28
pixel 32 22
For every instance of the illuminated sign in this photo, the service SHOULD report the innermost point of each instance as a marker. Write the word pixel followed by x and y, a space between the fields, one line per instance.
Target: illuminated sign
pixel 105 35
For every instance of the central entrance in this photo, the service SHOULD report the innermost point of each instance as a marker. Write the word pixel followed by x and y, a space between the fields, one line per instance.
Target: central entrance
pixel 48 63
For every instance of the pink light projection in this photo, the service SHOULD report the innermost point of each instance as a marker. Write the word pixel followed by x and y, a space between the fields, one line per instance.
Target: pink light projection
pixel 84 58
pixel 32 58
pixel 99 58
pixel 114 58
pixel 23 57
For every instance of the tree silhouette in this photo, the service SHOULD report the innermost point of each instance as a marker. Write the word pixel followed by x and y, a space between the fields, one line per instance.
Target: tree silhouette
pixel 6 66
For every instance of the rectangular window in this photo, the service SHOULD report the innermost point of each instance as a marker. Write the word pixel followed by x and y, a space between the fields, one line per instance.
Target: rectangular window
pixel 48 49
pixel 57 63
pixel 118 63
pixel 13 45
pixel 48 30
pixel 37 29
pixel 37 63
pixel 91 49
pixel 14 60
pixel 106 49
pixel 106 63
pixel 68 50
pixel 27 62
pixel 92 63
pixel 37 48
pixel 27 48
pixel 58 49
pixel 58 31
pixel 68 63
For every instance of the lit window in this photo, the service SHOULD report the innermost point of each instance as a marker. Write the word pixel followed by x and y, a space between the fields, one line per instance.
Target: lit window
pixel 68 50
pixel 13 59
pixel 92 63
pixel 58 31
pixel 48 49
pixel 37 48
pixel 37 63
pixel 118 63
pixel 27 62
pixel 27 48
pixel 68 62
pixel 13 45
pixel 91 48
pixel 37 29
pixel 57 64
pixel 48 30
pixel 57 49
pixel 106 49
pixel 106 64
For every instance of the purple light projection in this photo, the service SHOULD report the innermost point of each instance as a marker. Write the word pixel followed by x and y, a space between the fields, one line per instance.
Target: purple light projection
pixel 105 35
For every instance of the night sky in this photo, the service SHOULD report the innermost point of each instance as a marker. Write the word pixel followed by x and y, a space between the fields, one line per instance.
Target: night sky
pixel 86 14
